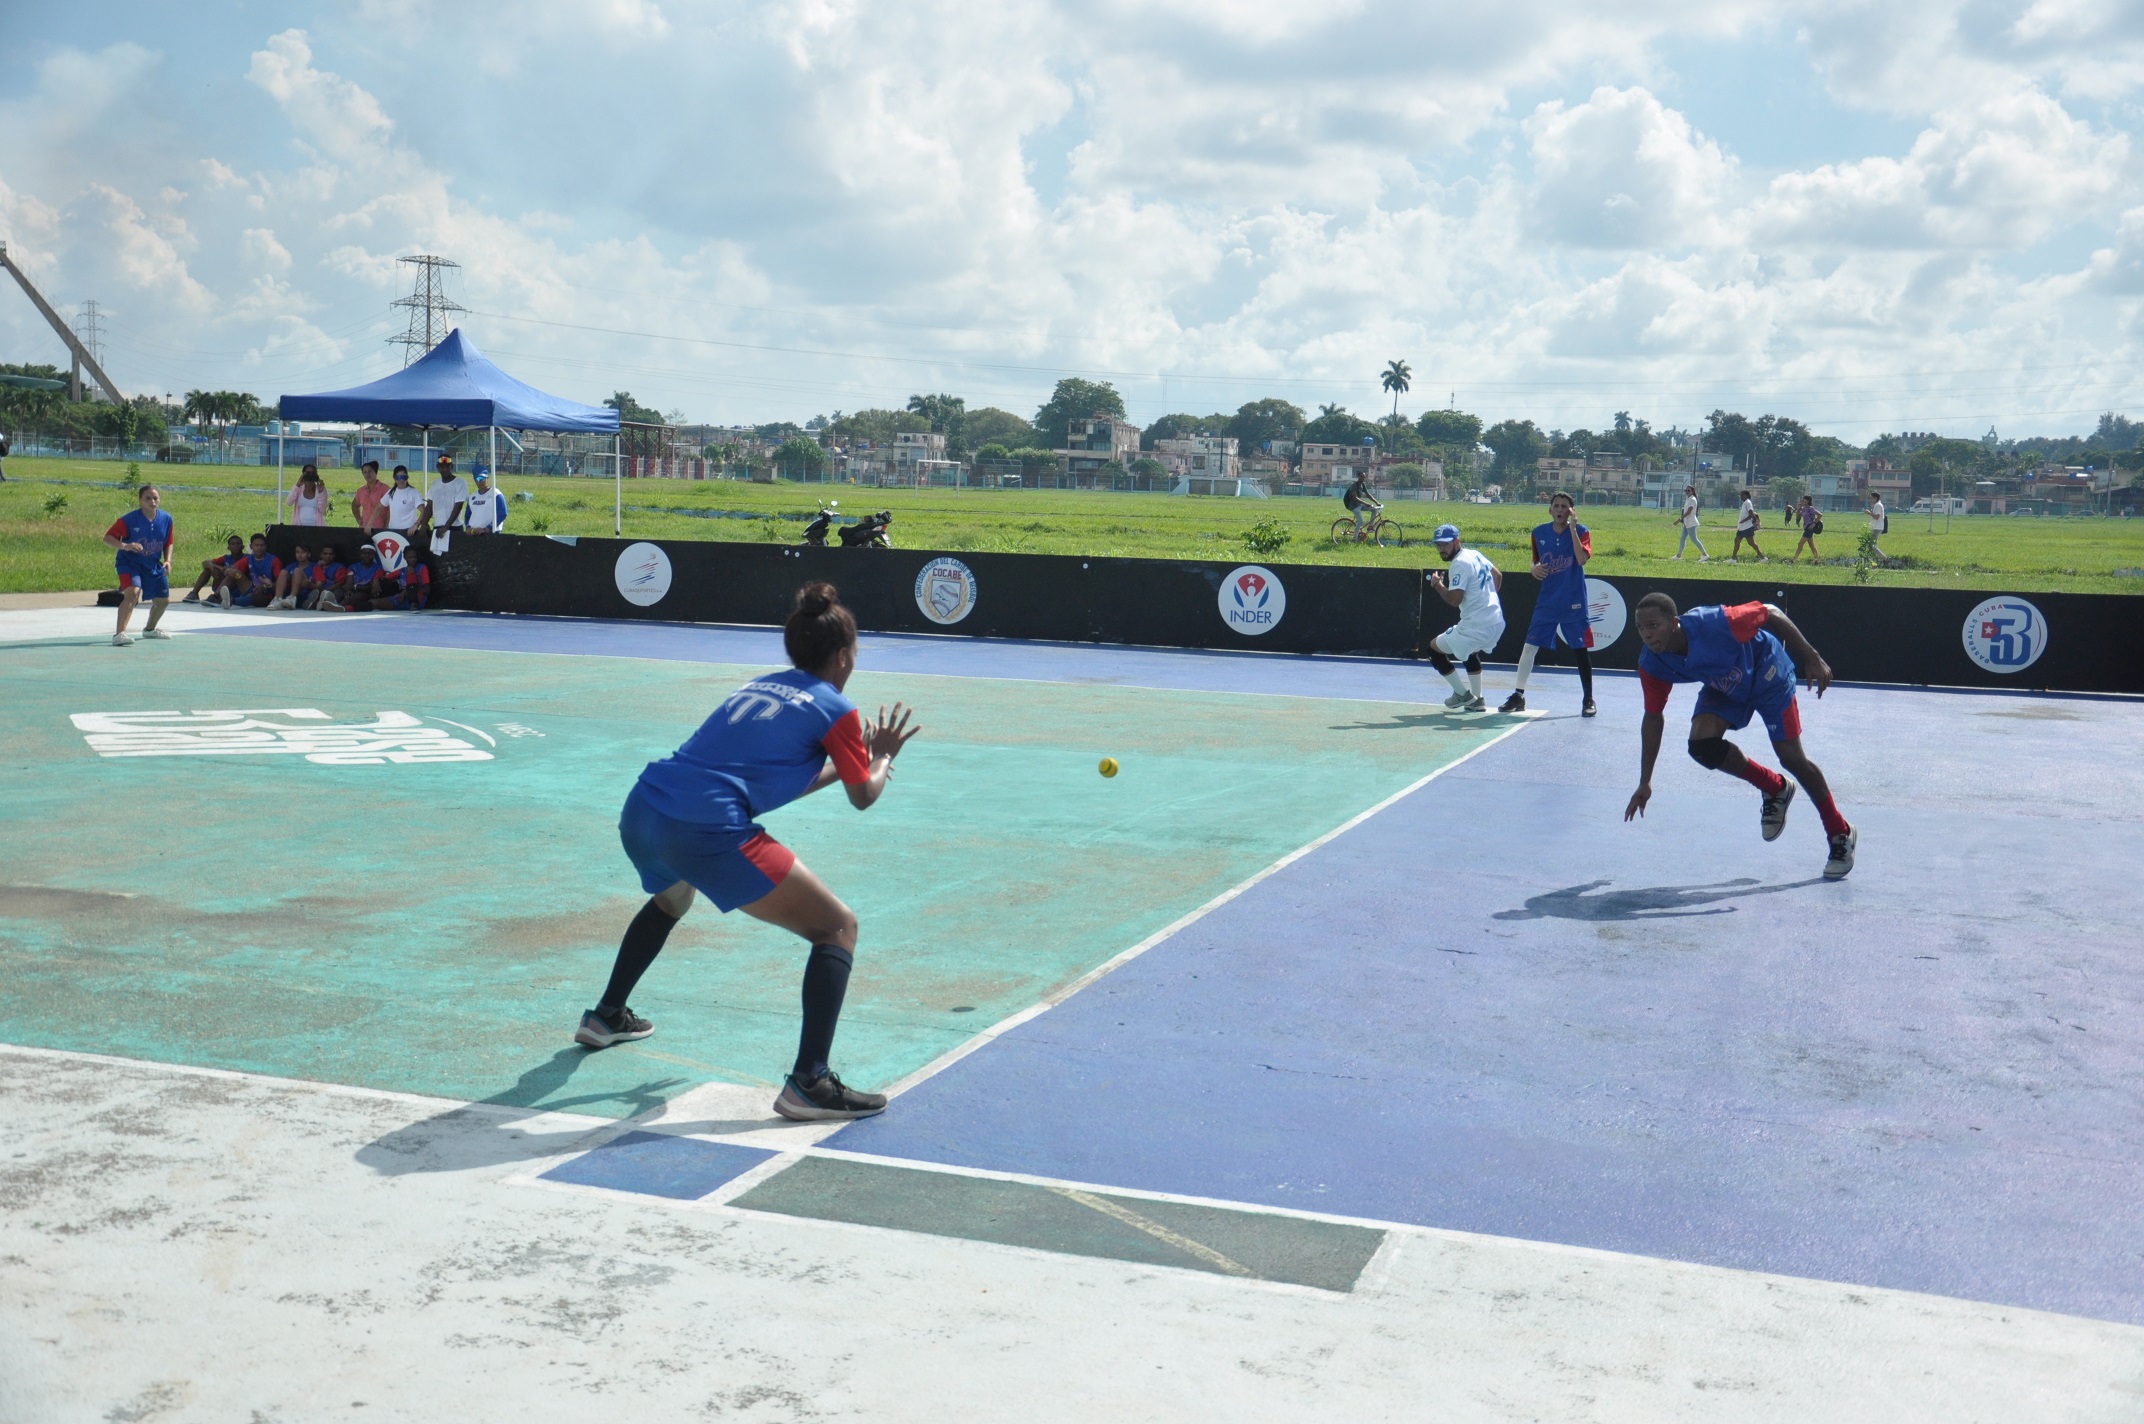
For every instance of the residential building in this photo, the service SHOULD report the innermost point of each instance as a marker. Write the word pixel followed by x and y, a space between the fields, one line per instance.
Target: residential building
pixel 1893 485
pixel 1324 464
pixel 1206 457
pixel 1094 442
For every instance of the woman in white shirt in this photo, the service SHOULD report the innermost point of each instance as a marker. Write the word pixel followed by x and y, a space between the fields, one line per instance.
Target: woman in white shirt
pixel 308 500
pixel 1689 526
pixel 1746 528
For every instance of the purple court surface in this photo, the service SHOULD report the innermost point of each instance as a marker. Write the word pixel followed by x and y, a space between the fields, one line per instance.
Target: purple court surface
pixel 1496 1007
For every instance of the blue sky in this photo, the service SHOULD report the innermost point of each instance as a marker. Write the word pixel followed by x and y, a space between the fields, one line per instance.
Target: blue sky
pixel 1924 214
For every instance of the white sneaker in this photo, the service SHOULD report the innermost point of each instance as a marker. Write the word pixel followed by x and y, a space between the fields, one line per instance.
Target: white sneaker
pixel 154 633
pixel 223 596
pixel 120 640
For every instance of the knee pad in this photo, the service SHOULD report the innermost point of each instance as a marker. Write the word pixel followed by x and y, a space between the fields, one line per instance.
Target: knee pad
pixel 1708 752
pixel 1439 659
pixel 1474 663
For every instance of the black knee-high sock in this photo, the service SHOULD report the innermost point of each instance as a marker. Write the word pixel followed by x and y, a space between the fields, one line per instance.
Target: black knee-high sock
pixel 643 941
pixel 1585 671
pixel 826 983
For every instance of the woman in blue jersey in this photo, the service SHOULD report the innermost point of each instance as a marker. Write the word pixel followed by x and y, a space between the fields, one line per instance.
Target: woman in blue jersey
pixel 691 824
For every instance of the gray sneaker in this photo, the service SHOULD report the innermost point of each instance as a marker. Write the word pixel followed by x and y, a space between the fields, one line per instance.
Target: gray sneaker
pixel 601 1030
pixel 1458 701
pixel 1773 818
pixel 1475 704
pixel 1842 854
pixel 826 1099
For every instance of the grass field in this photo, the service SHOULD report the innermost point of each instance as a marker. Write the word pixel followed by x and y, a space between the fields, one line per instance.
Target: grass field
pixel 58 547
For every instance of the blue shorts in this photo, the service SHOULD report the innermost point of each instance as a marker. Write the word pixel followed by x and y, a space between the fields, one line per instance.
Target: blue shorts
pixel 153 585
pixel 1782 718
pixel 1576 627
pixel 728 866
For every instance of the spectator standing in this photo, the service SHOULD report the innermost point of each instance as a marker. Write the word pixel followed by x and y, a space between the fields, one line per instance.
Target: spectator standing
pixel 403 505
pixel 487 507
pixel 141 538
pixel 366 504
pixel 1879 524
pixel 1746 529
pixel 308 500
pixel 1689 526
pixel 447 498
pixel 3 459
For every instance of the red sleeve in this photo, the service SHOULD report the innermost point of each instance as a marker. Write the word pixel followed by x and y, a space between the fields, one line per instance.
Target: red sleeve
pixel 1656 691
pixel 1585 541
pixel 1745 620
pixel 118 530
pixel 844 742
pixel 1534 540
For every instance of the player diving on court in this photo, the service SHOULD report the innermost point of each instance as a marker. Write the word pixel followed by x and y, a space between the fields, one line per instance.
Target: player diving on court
pixel 1745 657
pixel 691 824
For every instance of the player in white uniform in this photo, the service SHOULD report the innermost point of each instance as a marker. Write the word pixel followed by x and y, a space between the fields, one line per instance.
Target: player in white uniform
pixel 1472 589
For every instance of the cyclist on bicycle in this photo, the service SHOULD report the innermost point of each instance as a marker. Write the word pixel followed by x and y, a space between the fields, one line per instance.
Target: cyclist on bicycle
pixel 1360 502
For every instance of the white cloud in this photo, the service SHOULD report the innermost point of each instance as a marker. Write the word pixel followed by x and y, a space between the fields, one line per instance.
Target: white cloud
pixel 1622 171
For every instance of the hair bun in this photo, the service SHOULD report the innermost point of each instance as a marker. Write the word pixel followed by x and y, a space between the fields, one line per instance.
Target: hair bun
pixel 813 599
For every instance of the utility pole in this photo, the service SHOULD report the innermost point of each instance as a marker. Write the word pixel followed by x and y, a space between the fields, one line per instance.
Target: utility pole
pixel 86 326
pixel 429 308
pixel 83 357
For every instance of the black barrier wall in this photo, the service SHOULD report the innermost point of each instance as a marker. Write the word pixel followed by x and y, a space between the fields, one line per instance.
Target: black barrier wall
pixel 2076 642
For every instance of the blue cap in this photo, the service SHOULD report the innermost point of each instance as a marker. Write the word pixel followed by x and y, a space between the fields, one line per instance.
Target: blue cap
pixel 1445 534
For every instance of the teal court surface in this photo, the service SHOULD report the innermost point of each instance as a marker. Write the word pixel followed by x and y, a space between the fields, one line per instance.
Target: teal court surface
pixel 1341 1058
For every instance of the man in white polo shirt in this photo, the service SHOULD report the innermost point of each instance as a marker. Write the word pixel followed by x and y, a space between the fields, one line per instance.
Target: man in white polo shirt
pixel 404 505
pixel 487 507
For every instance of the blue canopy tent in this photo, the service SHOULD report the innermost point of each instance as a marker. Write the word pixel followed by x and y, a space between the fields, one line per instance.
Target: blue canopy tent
pixel 454 386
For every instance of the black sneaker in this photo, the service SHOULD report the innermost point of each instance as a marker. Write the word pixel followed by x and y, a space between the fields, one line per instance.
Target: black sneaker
pixel 1516 702
pixel 826 1099
pixel 1842 854
pixel 1589 709
pixel 600 1030
pixel 1774 815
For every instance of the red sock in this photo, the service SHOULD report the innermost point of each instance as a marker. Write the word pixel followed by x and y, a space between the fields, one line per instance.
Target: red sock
pixel 1834 823
pixel 1762 777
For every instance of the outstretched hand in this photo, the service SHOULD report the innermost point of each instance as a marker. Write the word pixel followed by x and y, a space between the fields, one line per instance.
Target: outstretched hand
pixel 890 733
pixel 1819 676
pixel 1638 798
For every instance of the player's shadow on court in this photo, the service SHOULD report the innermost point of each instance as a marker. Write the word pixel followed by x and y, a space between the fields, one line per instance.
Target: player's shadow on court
pixel 493 1131
pixel 1438 721
pixel 1655 902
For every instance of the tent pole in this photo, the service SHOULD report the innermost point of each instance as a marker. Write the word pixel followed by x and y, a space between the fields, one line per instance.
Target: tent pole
pixel 278 464
pixel 494 456
pixel 426 473
pixel 617 477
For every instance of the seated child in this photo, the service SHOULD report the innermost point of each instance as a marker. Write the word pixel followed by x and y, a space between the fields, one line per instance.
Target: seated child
pixel 214 571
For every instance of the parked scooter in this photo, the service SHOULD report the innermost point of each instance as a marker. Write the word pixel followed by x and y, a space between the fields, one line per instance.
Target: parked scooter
pixel 815 532
pixel 868 533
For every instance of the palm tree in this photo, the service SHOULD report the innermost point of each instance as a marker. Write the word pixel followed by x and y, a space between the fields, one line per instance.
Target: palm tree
pixel 1397 378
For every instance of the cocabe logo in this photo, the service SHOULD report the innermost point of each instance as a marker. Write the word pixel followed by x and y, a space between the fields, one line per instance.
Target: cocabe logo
pixel 945 591
pixel 1252 600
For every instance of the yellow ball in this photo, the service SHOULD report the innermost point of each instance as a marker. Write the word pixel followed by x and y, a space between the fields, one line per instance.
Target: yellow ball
pixel 1108 766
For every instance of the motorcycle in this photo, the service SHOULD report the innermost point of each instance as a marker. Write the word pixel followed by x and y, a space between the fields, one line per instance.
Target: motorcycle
pixel 815 532
pixel 869 532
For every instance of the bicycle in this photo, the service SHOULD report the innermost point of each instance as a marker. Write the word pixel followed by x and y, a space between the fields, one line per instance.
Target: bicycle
pixel 1378 530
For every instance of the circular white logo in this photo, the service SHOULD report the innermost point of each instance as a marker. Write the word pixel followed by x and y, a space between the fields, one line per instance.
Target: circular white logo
pixel 2005 634
pixel 945 590
pixel 393 550
pixel 643 574
pixel 1252 600
pixel 1606 611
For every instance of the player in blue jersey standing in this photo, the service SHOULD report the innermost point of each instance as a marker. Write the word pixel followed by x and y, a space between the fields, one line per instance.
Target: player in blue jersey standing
pixel 1561 549
pixel 691 824
pixel 141 541
pixel 1745 657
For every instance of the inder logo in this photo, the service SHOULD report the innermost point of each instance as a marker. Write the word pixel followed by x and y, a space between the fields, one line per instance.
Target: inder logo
pixel 1252 600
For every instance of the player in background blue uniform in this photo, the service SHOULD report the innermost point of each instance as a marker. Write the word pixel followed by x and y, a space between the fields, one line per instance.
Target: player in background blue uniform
pixel 1561 549
pixel 141 541
pixel 691 824
pixel 1745 658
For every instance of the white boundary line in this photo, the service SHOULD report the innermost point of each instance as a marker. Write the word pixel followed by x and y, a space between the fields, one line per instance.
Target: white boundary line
pixel 1055 997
